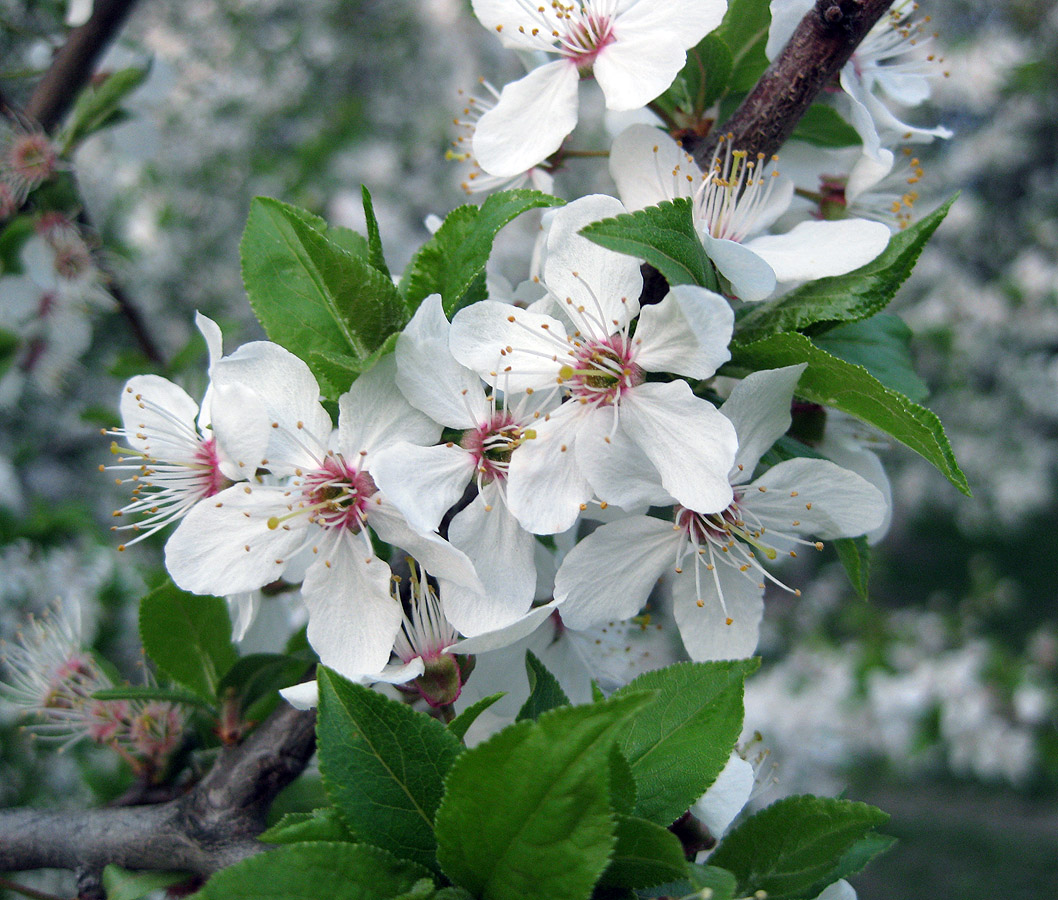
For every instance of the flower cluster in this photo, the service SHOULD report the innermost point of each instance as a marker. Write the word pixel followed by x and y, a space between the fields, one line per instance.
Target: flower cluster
pixel 53 679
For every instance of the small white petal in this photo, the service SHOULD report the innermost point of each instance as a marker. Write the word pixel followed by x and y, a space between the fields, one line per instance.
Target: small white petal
pixel 530 121
pixel 687 333
pixel 353 620
pixel 373 414
pixel 610 574
pixel 839 890
pixel 159 418
pixel 752 279
pixel 422 482
pixel 207 554
pixel 686 438
pixel 302 696
pixel 503 555
pixel 513 23
pixel 825 500
pixel 726 797
pixel 546 487
pixel 705 629
pixel 759 408
pixel 503 637
pixel 642 162
pixel 597 288
pixel 243 610
pixel 820 249
pixel 428 374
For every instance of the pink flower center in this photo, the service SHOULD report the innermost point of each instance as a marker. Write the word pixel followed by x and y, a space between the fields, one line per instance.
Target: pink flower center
pixel 602 370
pixel 213 481
pixel 585 37
pixel 492 444
pixel 32 158
pixel 337 495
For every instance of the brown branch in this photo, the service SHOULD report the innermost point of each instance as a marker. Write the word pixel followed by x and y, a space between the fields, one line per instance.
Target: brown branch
pixel 212 826
pixel 75 62
pixel 815 53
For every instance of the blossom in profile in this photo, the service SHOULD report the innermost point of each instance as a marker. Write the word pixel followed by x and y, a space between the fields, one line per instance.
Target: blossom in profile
pixel 717 556
pixel 632 48
pixel 28 158
pixel 168 451
pixel 733 205
pixel 477 180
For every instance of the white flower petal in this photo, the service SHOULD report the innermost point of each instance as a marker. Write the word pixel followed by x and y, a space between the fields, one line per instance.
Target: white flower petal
pixel 686 438
pixel 597 288
pixel 619 472
pixel 759 408
pixel 530 121
pixel 224 545
pixel 610 574
pixel 373 414
pixel 865 463
pixel 651 38
pixel 726 797
pixel 482 331
pixel 705 629
pixel 302 696
pixel 502 553
pixel 210 330
pixel 353 620
pixel 428 374
pixel 642 162
pixel 839 890
pixel 509 634
pixel 825 500
pixel 786 15
pixel 422 482
pixel 820 249
pixel 687 333
pixel 513 23
pixel 752 279
pixel 243 610
pixel 546 487
pixel 159 418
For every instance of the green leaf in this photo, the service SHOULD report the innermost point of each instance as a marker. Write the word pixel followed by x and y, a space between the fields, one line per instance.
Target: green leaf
pixel 309 871
pixel 375 256
pixel 722 883
pixel 702 79
pixel 319 825
pixel 350 241
pixel 823 126
pixel 310 294
pixel 122 884
pixel 745 31
pixel 855 556
pixel 461 723
pixel 97 104
pixel 12 238
pixel 664 236
pixel 452 262
pixel 383 766
pixel 544 690
pixel 152 692
pixel 881 344
pixel 622 782
pixel 9 344
pixel 792 848
pixel 861 853
pixel 188 637
pixel 833 382
pixel 526 814
pixel 645 855
pixel 844 298
pixel 678 744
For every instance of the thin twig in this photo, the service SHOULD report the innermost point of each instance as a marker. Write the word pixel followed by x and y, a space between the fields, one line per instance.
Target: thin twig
pixel 74 64
pixel 821 44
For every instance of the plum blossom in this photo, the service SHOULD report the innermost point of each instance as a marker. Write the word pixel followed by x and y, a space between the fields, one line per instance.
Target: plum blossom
pixel 894 57
pixel 633 48
pixel 715 554
pixel 477 180
pixel 613 424
pixel 424 482
pixel 732 205
pixel 319 498
pixel 170 455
